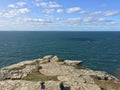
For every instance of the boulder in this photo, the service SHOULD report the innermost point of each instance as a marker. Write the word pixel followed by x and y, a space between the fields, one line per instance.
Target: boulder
pixel 55 59
pixel 73 62
pixel 16 72
pixel 101 75
pixel 20 65
pixel 4 74
pixel 44 61
pixel 48 57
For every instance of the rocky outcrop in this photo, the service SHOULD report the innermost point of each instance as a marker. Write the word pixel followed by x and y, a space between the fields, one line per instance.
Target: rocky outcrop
pixel 53 73
pixel 73 62
pixel 29 85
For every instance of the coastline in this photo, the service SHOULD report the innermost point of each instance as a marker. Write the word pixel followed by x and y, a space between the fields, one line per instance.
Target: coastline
pixel 57 74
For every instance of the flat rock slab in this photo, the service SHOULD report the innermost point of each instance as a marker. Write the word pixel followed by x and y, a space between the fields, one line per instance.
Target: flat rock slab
pixel 73 62
pixel 55 69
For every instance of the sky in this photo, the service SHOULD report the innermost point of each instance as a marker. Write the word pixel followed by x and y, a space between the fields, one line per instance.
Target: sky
pixel 59 15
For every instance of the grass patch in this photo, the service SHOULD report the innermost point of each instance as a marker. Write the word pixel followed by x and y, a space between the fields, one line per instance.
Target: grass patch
pixel 37 76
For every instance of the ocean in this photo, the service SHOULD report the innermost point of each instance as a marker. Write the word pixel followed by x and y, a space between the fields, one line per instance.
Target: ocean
pixel 98 50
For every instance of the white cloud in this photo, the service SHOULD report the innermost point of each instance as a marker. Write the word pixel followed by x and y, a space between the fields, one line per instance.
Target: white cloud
pixel 111 13
pixel 54 5
pixel 75 9
pixel 113 23
pixel 87 20
pixel 21 4
pixel 49 4
pixel 12 6
pixel 15 12
pixel 96 20
pixel 58 19
pixel 34 20
pixel 10 14
pixel 48 11
pixel 23 10
pixel 95 13
pixel 73 20
pixel 1 13
pixel 104 13
pixel 42 4
pixel 43 21
pixel 22 20
pixel 17 5
pixel 102 20
pixel 60 11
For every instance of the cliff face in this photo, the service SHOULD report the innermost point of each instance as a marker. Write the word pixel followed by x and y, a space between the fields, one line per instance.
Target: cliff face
pixel 52 73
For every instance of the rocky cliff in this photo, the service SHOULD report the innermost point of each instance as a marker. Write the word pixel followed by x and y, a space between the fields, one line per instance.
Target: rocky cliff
pixel 53 73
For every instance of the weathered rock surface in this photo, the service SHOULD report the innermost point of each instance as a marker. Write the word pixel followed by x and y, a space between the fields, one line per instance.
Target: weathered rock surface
pixel 29 85
pixel 73 62
pixel 50 73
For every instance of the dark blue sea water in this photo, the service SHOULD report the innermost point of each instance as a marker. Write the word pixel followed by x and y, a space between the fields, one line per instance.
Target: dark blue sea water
pixel 98 50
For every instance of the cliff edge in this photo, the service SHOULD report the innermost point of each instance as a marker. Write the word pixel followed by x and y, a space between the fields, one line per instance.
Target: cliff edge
pixel 53 73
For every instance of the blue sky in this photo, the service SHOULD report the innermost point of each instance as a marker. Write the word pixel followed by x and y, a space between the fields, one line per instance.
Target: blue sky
pixel 59 15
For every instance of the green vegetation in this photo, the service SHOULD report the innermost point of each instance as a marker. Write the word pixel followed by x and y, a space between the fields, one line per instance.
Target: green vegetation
pixel 37 76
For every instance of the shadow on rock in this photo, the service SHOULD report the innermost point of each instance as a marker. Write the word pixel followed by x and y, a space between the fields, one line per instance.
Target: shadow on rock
pixel 64 88
pixel 42 84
